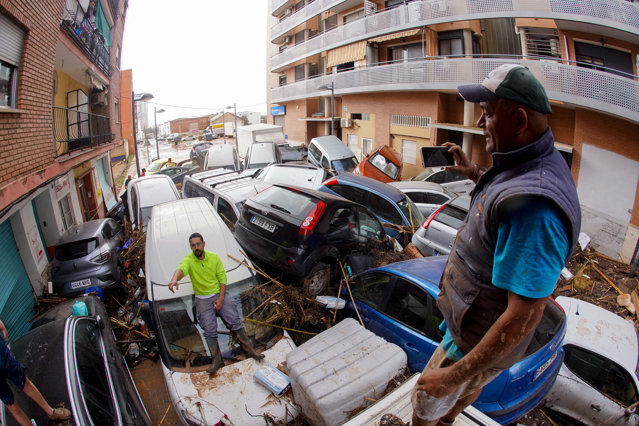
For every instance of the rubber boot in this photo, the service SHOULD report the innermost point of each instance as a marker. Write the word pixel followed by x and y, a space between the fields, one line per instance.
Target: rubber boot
pixel 245 343
pixel 216 355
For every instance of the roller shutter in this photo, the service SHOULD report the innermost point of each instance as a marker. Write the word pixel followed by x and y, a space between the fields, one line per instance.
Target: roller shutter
pixel 11 41
pixel 16 293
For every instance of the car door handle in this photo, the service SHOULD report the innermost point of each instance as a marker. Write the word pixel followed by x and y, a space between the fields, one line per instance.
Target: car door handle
pixel 595 407
pixel 411 347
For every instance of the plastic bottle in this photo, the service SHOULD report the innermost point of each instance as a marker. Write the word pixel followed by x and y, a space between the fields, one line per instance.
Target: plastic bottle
pixel 80 308
pixel 435 408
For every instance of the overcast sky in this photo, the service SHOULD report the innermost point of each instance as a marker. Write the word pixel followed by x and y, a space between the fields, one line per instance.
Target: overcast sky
pixel 201 55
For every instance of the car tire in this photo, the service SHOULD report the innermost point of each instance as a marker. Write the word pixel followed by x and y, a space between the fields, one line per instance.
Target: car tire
pixel 317 279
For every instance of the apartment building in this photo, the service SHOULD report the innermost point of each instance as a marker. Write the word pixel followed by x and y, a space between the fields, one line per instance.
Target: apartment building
pixel 59 122
pixel 385 73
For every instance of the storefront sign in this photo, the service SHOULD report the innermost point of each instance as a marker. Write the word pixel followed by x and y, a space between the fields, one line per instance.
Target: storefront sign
pixel 278 110
pixel 61 185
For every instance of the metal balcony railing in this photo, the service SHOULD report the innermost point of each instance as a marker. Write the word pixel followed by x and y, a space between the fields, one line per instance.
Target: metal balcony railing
pixel 277 4
pixel 87 37
pixel 74 130
pixel 302 15
pixel 617 14
pixel 588 88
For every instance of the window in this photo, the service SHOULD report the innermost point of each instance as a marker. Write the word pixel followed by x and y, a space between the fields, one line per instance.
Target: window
pixel 92 373
pixel 367 146
pixel 283 80
pixel 415 308
pixel 407 52
pixel 542 42
pixel 383 209
pixel 313 70
pixel 65 211
pixel 300 37
pixel 451 43
pixel 300 72
pixel 347 66
pixel 116 104
pixel 369 227
pixel 354 16
pixel 371 288
pixel 226 212
pixel 350 193
pixel 409 151
pixel 117 57
pixel 343 225
pixel 329 23
pixel 12 37
pixel 602 374
pixel 360 116
pixel 427 197
pixel 352 143
pixel 384 165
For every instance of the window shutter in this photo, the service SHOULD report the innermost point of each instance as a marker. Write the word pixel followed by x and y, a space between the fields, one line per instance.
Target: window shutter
pixel 11 41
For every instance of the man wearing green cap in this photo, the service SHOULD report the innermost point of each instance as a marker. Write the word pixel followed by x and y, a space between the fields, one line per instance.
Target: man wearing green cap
pixel 520 231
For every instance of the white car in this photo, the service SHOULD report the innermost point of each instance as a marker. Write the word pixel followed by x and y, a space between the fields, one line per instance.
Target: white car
pixel 145 192
pixel 597 383
pixel 427 196
pixel 452 181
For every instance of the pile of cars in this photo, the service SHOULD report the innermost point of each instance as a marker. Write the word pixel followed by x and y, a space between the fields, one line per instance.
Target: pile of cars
pixel 303 220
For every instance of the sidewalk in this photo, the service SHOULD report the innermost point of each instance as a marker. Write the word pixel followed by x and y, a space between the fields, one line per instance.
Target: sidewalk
pixel 119 170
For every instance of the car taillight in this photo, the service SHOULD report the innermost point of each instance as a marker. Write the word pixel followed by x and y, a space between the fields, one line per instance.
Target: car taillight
pixel 432 216
pixel 311 220
pixel 331 182
pixel 102 257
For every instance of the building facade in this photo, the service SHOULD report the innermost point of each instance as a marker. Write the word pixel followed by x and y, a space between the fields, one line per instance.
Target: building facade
pixel 386 73
pixel 59 123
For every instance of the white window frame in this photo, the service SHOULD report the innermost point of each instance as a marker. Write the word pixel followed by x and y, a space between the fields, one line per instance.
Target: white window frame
pixel 409 151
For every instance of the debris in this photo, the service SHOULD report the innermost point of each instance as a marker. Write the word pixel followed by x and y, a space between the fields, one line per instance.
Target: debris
pixel 606 278
pixel 626 301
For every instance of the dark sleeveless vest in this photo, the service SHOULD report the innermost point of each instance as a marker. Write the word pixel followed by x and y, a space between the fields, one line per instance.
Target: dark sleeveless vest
pixel 468 300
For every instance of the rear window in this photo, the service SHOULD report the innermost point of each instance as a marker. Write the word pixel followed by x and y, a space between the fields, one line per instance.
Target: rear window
pixel 75 249
pixel 345 164
pixel 384 165
pixel 451 216
pixel 288 201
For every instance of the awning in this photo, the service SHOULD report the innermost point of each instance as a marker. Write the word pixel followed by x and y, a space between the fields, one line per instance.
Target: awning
pixel 395 36
pixel 349 53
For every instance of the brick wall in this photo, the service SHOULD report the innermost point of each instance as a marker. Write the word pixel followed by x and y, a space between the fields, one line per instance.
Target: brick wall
pixel 25 136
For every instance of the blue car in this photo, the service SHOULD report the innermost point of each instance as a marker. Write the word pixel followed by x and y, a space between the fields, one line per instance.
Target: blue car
pixel 388 203
pixel 398 302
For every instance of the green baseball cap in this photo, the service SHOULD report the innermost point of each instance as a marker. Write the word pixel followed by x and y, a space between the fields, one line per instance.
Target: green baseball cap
pixel 509 81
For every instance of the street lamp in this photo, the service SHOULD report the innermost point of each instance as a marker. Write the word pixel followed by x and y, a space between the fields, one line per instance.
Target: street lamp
pixel 134 99
pixel 235 125
pixel 155 122
pixel 332 87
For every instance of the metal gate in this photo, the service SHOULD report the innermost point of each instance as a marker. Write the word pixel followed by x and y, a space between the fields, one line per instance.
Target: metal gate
pixel 16 293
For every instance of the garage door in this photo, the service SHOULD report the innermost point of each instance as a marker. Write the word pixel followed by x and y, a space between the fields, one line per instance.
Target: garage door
pixel 16 294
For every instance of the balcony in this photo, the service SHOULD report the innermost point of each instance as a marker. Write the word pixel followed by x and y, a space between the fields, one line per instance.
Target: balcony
pixel 88 38
pixel 278 5
pixel 74 130
pixel 619 17
pixel 304 14
pixel 592 89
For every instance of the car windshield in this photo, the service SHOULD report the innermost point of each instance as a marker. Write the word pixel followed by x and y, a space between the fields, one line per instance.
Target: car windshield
pixel 75 249
pixel 154 167
pixel 451 216
pixel 384 165
pixel 412 213
pixel 345 164
pixel 183 342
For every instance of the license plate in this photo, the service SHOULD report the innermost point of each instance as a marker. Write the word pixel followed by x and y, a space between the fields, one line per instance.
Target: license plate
pixel 270 227
pixel 545 366
pixel 82 283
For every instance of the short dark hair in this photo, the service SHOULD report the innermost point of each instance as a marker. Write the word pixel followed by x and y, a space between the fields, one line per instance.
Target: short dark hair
pixel 196 235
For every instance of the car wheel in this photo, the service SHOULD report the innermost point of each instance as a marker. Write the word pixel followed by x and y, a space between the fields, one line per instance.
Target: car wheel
pixel 316 281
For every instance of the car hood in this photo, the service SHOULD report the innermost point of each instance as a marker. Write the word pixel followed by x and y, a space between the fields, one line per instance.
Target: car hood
pixel 233 392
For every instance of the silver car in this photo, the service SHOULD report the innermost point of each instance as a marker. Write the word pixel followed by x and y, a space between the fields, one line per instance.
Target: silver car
pixel 452 181
pixel 427 196
pixel 86 255
pixel 438 231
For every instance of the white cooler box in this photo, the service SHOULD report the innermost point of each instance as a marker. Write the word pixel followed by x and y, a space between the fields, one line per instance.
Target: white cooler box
pixel 333 373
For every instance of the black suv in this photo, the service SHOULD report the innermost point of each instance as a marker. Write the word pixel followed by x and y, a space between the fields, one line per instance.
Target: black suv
pixel 304 232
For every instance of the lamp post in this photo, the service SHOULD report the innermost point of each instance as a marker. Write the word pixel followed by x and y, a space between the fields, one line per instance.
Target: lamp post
pixel 235 125
pixel 134 99
pixel 155 122
pixel 332 87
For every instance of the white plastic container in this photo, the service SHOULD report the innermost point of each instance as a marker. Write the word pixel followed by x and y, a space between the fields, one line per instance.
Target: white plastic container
pixel 273 379
pixel 333 373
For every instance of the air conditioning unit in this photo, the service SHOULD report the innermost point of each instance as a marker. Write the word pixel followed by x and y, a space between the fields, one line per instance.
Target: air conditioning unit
pixel 345 122
pixel 99 98
pixel 288 39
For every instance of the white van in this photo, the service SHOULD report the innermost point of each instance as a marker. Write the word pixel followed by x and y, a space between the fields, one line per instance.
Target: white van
pixel 222 156
pixel 330 153
pixel 198 398
pixel 145 192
